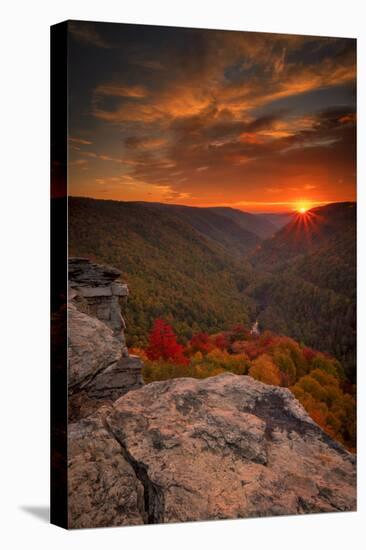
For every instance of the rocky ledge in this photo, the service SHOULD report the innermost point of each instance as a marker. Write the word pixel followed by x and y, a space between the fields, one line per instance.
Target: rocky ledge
pixel 100 368
pixel 187 450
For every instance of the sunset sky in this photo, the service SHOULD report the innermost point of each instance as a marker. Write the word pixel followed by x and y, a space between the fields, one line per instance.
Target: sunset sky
pixel 260 122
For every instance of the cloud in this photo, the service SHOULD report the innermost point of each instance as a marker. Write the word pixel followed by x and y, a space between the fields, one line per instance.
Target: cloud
pixel 80 141
pixel 210 115
pixel 138 105
pixel 93 155
pixel 78 162
pixel 266 79
pixel 115 90
pixel 86 33
pixel 144 142
pixel 151 64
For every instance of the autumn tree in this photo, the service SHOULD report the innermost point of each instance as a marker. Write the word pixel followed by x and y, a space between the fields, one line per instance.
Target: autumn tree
pixel 201 342
pixel 221 341
pixel 163 344
pixel 328 364
pixel 323 398
pixel 264 369
pixel 286 367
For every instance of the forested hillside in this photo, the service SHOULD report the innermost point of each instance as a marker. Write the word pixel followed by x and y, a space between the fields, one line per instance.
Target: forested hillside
pixel 305 282
pixel 207 269
pixel 234 232
pixel 172 270
pixel 260 225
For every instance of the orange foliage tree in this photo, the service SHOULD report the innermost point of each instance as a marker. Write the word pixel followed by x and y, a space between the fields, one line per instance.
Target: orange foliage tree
pixel 264 370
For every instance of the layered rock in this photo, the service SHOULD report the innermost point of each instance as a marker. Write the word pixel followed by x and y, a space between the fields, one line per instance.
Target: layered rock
pixel 95 291
pixel 100 368
pixel 186 450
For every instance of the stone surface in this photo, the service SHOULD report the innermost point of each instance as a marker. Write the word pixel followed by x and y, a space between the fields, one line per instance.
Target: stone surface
pixel 116 380
pixel 119 289
pixel 103 486
pixel 223 447
pixel 94 290
pixel 91 347
pixel 84 272
pixel 91 291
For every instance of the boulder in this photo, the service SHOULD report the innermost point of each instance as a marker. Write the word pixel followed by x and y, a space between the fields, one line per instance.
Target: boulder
pixel 103 486
pixel 91 347
pixel 224 447
pixel 116 380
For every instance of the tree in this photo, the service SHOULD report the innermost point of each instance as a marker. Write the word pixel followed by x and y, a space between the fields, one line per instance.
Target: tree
pixel 163 344
pixel 309 354
pixel 265 370
pixel 328 364
pixel 201 342
pixel 286 366
pixel 221 341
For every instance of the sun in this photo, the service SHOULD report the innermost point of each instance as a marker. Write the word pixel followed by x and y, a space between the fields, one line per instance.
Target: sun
pixel 302 207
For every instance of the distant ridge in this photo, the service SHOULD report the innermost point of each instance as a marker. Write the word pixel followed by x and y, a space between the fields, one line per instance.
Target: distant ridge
pixel 226 225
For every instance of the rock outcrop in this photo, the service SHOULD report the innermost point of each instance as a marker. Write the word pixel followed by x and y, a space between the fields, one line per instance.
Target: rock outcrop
pixel 100 368
pixel 95 290
pixel 92 347
pixel 186 450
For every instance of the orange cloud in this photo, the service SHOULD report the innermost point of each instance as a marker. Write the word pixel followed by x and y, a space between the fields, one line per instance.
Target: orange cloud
pixel 251 137
pixel 80 141
pixel 121 91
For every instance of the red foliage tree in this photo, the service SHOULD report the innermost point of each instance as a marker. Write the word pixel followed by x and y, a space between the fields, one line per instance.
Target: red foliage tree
pixel 200 342
pixel 266 339
pixel 221 341
pixel 240 332
pixel 309 354
pixel 163 344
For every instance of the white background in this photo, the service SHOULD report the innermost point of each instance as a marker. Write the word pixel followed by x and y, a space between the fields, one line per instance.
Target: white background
pixel 24 302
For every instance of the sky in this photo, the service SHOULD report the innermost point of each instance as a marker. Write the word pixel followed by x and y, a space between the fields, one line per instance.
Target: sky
pixel 256 121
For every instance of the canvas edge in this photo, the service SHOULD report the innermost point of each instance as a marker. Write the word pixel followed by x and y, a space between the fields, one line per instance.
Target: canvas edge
pixel 58 254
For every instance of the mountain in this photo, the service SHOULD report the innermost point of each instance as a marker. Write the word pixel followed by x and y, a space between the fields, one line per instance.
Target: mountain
pixel 257 224
pixel 276 220
pixel 306 281
pixel 306 233
pixel 218 228
pixel 174 266
pixel 207 269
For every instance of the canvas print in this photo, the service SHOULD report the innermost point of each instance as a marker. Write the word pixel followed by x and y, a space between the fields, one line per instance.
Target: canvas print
pixel 204 308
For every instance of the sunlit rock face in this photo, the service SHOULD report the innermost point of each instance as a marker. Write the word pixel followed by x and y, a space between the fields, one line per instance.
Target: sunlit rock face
pixel 100 368
pixel 187 450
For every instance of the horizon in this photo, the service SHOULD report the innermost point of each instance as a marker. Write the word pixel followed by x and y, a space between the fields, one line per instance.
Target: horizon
pixel 259 122
pixel 254 212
